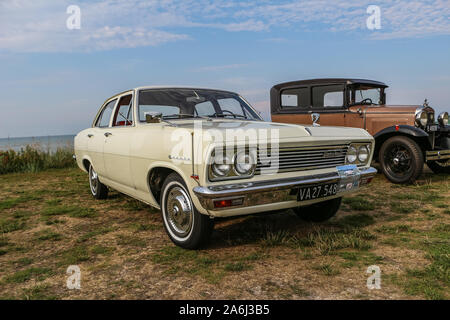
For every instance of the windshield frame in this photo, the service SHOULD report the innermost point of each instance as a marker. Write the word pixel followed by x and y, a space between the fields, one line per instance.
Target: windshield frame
pixel 244 103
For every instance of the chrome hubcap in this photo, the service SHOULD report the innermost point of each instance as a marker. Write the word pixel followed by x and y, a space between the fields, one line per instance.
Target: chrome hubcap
pixel 179 211
pixel 93 180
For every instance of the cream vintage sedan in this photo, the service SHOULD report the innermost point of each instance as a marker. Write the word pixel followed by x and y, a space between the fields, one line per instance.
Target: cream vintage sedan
pixel 198 154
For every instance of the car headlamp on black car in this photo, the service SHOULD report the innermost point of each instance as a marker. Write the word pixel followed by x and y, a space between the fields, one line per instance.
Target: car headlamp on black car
pixel 422 118
pixel 443 119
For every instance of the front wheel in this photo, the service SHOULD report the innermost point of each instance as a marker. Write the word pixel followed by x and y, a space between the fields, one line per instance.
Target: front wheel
pixel 439 166
pixel 319 212
pixel 401 159
pixel 185 226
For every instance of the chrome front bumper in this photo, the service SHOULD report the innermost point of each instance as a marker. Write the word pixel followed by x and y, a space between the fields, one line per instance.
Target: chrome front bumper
pixel 349 179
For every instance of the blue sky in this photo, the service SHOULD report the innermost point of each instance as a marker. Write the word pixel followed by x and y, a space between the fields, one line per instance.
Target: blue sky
pixel 55 79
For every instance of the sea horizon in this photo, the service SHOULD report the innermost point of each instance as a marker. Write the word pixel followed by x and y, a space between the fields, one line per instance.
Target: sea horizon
pixel 49 143
pixel 36 136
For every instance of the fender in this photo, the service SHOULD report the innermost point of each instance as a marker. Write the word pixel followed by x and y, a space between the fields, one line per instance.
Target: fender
pixel 187 179
pixel 405 129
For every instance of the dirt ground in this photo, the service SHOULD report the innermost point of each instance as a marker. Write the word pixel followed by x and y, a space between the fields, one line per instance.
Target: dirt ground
pixel 49 221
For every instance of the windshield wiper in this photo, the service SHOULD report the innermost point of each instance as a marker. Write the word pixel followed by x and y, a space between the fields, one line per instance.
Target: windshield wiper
pixel 181 115
pixel 229 113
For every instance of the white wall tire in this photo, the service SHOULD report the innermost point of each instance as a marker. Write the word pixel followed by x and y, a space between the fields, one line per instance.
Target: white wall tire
pixel 185 226
pixel 99 190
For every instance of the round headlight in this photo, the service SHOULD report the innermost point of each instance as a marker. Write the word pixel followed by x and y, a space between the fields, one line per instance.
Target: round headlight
pixel 244 163
pixel 422 119
pixel 443 119
pixel 363 154
pixel 352 154
pixel 221 166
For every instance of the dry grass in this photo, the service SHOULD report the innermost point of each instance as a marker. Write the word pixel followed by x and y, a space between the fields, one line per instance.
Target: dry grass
pixel 48 221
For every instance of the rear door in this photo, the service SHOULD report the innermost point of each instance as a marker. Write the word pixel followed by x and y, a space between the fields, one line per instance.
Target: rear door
pixel 117 142
pixel 295 106
pixel 96 137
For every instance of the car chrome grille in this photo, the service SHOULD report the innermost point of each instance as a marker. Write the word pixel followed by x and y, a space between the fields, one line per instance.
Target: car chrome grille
pixel 301 158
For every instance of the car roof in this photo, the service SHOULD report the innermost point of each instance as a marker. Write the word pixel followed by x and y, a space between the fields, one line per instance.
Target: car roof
pixel 330 81
pixel 179 87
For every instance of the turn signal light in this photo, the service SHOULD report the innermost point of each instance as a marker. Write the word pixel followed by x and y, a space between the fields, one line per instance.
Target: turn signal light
pixel 228 203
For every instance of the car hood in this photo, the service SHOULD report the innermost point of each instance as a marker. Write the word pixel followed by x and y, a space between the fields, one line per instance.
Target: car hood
pixel 285 131
pixel 387 108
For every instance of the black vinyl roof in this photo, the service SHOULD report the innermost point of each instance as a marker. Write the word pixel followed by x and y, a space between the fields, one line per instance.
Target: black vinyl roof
pixel 329 81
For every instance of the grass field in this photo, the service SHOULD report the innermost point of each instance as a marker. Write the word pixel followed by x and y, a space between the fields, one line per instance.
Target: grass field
pixel 48 221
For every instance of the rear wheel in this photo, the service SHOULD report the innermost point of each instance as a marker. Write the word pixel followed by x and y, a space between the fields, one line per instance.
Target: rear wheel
pixel 319 212
pixel 185 226
pixel 99 190
pixel 401 159
pixel 439 166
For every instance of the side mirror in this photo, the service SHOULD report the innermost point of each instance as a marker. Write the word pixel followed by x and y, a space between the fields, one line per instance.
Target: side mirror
pixel 153 117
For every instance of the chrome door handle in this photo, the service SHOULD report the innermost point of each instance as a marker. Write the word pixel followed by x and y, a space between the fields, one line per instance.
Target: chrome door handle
pixel 90 135
pixel 107 134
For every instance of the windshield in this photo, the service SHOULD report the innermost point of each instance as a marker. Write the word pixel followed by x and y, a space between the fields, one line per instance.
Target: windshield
pixel 185 103
pixel 367 95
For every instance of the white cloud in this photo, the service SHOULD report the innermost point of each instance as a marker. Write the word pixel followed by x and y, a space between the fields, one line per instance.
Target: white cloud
pixel 40 26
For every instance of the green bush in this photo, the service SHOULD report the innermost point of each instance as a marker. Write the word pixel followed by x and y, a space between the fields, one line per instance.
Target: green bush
pixel 33 160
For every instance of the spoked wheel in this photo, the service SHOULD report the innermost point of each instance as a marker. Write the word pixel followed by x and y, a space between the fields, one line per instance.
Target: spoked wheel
pixel 401 159
pixel 398 160
pixel 98 189
pixel 185 226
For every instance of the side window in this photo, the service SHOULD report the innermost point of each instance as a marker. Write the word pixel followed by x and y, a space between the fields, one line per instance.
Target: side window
pixel 333 99
pixel 295 98
pixel 205 109
pixel 328 96
pixel 124 112
pixel 105 116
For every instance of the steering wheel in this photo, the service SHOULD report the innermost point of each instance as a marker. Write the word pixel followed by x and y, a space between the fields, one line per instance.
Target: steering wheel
pixel 231 113
pixel 366 100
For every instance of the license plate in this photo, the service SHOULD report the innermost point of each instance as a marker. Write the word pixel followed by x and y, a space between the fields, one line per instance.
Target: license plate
pixel 315 192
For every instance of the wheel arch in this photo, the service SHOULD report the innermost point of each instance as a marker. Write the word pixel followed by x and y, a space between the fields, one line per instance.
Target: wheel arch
pixel 156 176
pixel 85 162
pixel 416 134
